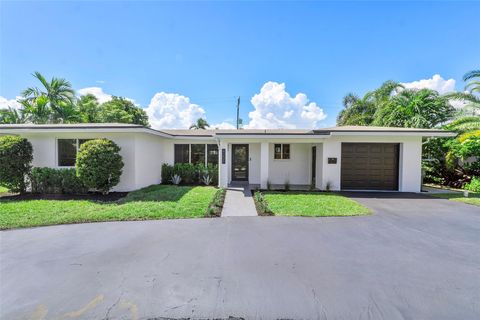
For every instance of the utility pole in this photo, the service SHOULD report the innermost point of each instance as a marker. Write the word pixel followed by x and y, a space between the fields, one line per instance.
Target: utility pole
pixel 238 113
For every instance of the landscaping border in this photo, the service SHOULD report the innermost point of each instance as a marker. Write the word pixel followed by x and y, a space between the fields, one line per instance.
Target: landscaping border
pixel 214 209
pixel 261 204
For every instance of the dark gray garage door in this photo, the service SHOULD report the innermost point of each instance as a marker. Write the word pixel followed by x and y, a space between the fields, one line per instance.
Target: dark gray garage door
pixel 369 166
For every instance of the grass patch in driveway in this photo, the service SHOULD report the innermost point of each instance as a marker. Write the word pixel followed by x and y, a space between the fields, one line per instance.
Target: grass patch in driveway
pixel 311 204
pixel 473 198
pixel 154 202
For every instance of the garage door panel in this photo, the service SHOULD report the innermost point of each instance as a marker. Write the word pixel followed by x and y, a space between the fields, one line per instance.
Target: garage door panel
pixel 369 166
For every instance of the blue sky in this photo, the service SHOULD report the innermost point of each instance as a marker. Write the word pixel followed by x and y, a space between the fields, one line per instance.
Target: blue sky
pixel 198 56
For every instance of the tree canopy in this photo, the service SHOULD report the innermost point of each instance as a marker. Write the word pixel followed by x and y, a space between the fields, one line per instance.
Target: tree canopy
pixel 200 124
pixel 55 101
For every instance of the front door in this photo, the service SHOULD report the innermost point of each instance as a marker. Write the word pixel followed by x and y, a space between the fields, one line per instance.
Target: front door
pixel 240 162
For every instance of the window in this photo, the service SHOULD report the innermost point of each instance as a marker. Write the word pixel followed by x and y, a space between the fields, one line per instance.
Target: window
pixel 182 153
pixel 67 151
pixel 196 153
pixel 212 154
pixel 281 151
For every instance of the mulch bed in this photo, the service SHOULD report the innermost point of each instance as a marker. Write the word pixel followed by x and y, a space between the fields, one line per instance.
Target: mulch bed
pixel 111 197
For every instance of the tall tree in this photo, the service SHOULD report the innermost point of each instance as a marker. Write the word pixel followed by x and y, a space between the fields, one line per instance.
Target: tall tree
pixel 361 111
pixel 11 116
pixel 412 108
pixel 89 108
pixel 200 124
pixel 58 95
pixel 122 110
pixel 36 110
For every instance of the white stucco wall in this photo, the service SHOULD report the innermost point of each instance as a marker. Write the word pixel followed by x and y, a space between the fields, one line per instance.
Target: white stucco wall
pixel 409 159
pixel 45 152
pixel 296 170
pixel 254 163
pixel 149 152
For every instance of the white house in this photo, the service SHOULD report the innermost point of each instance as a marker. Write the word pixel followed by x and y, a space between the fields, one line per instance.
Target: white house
pixel 338 158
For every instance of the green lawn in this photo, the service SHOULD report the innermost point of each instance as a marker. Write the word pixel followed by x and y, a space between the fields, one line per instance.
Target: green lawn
pixel 3 189
pixel 312 204
pixel 155 202
pixel 473 198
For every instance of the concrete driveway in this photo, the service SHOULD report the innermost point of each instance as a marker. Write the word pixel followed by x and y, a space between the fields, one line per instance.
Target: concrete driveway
pixel 414 258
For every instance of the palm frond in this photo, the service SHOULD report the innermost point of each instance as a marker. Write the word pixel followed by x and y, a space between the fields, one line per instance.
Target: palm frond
pixel 471 74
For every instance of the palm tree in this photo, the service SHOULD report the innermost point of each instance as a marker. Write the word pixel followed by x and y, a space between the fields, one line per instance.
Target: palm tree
pixel 37 110
pixel 361 111
pixel 471 100
pixel 464 124
pixel 58 93
pixel 11 116
pixel 472 86
pixel 413 108
pixel 200 124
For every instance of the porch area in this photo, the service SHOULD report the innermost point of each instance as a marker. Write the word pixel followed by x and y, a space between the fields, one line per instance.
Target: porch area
pixel 271 165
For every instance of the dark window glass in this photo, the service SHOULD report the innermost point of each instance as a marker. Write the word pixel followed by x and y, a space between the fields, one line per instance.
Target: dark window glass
pixel 181 153
pixel 281 151
pixel 277 152
pixel 82 141
pixel 286 151
pixel 212 154
pixel 198 153
pixel 67 152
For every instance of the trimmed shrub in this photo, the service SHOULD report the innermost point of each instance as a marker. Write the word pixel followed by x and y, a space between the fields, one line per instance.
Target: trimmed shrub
pixel 49 180
pixel 473 185
pixel 190 173
pixel 16 155
pixel 99 164
pixel 167 173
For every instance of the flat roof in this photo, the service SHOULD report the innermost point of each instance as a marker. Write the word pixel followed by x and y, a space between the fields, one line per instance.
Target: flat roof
pixel 210 133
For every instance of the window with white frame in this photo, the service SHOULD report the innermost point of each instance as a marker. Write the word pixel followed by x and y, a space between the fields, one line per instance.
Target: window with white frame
pixel 67 151
pixel 196 153
pixel 281 151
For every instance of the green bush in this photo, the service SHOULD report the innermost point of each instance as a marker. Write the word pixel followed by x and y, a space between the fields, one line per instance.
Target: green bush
pixel 99 164
pixel 49 180
pixel 473 185
pixel 16 155
pixel 190 173
pixel 261 204
pixel 167 173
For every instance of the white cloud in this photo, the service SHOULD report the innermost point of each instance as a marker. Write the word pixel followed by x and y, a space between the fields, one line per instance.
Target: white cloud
pixel 173 111
pixel 436 83
pixel 223 125
pixel 275 108
pixel 12 103
pixel 97 92
pixel 101 95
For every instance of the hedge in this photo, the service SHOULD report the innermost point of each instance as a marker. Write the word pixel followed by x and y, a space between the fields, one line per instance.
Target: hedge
pixel 190 173
pixel 48 180
pixel 16 155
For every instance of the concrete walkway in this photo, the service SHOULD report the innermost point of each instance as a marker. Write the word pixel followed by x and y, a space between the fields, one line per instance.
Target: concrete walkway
pixel 239 202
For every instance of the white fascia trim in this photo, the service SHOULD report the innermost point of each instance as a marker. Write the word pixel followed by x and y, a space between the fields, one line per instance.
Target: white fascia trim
pixel 193 138
pixel 396 134
pixel 86 130
pixel 271 136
